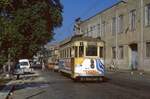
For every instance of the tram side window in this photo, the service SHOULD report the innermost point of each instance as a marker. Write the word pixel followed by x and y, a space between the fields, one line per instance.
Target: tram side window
pixel 91 50
pixel 81 51
pixel 70 53
pixel 67 51
pixel 64 53
pixel 60 54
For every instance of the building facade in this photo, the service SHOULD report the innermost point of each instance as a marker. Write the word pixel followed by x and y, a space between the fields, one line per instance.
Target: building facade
pixel 53 54
pixel 125 28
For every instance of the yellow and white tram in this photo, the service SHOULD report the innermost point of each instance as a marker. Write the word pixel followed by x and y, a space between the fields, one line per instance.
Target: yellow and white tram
pixel 82 57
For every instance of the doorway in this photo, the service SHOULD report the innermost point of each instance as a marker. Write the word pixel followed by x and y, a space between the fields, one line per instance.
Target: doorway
pixel 133 56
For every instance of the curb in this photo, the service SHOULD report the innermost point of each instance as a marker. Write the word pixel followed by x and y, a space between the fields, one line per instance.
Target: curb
pixel 7 91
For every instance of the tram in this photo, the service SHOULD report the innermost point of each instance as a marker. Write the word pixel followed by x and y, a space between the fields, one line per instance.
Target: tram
pixel 82 57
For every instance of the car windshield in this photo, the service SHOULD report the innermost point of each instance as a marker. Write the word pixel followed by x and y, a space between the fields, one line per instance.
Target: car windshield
pixel 23 63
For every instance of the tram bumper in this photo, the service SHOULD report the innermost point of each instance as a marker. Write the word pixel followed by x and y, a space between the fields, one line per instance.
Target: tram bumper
pixel 83 75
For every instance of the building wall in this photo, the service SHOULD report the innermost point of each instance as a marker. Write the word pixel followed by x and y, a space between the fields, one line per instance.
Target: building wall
pixel 127 38
pixel 54 53
pixel 146 38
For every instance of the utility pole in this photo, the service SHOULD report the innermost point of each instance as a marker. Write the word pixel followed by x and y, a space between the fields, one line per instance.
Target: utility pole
pixel 9 60
pixel 142 32
pixel 9 67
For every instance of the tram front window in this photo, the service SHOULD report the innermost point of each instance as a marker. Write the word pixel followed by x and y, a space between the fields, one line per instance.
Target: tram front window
pixel 91 50
pixel 81 50
pixel 76 51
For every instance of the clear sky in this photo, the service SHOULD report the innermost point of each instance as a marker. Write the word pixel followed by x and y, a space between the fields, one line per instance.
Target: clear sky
pixel 79 8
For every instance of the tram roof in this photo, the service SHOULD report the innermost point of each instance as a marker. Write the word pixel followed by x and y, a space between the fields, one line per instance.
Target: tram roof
pixel 80 38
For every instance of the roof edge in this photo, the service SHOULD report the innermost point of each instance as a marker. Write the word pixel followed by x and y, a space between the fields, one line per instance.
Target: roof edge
pixel 122 1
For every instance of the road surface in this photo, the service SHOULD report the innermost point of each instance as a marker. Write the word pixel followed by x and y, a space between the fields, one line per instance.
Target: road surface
pixel 52 85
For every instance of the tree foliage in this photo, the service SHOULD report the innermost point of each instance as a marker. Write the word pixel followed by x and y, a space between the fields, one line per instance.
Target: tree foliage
pixel 26 25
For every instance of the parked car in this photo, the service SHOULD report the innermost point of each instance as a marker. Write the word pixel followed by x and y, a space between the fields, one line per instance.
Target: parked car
pixel 51 66
pixel 36 66
pixel 56 67
pixel 22 67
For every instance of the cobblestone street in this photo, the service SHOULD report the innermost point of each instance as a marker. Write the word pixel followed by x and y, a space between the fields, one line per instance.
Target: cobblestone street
pixel 52 85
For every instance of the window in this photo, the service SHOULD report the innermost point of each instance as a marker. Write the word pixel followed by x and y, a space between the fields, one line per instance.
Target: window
pixel 91 31
pixel 65 53
pixel 120 24
pixel 148 49
pixel 91 50
pixel 81 51
pixel 114 52
pixel 103 28
pixel 147 15
pixel 132 20
pixel 70 52
pixel 62 54
pixel 82 32
pixel 81 44
pixel 98 28
pixel 23 63
pixel 76 51
pixel 87 32
pixel 101 52
pixel 94 27
pixel 113 25
pixel 73 51
pixel 91 28
pixel 121 52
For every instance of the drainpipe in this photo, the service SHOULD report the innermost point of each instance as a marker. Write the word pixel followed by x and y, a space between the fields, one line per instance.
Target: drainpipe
pixel 116 41
pixel 142 33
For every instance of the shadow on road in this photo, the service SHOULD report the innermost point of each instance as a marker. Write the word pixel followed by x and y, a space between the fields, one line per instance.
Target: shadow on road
pixel 39 93
pixel 31 85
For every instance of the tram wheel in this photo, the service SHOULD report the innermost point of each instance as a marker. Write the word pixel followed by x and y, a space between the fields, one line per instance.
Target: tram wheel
pixel 104 79
pixel 76 79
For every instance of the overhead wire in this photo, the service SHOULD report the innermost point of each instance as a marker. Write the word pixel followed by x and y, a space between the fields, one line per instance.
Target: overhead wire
pixel 91 7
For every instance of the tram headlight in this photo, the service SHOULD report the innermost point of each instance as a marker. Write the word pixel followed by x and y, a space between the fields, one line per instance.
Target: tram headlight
pixel 92 64
pixel 79 65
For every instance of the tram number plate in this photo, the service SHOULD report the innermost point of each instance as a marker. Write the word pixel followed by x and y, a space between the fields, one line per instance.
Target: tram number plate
pixel 90 71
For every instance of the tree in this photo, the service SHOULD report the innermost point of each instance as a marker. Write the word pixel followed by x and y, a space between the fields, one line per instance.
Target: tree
pixel 26 25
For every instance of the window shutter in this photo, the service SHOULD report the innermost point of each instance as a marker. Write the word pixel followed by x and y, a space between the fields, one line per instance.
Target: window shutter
pixel 130 16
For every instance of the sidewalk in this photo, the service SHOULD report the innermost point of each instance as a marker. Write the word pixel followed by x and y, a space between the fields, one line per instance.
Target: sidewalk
pixel 136 76
pixel 6 91
pixel 5 86
pixel 9 87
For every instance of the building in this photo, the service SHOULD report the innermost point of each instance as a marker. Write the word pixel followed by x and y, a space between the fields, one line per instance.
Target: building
pixel 125 29
pixel 53 54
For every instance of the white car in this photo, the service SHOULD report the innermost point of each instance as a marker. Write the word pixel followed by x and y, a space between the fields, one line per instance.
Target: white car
pixel 56 67
pixel 23 67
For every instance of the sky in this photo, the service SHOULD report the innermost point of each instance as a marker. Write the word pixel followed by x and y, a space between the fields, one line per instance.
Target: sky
pixel 74 9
